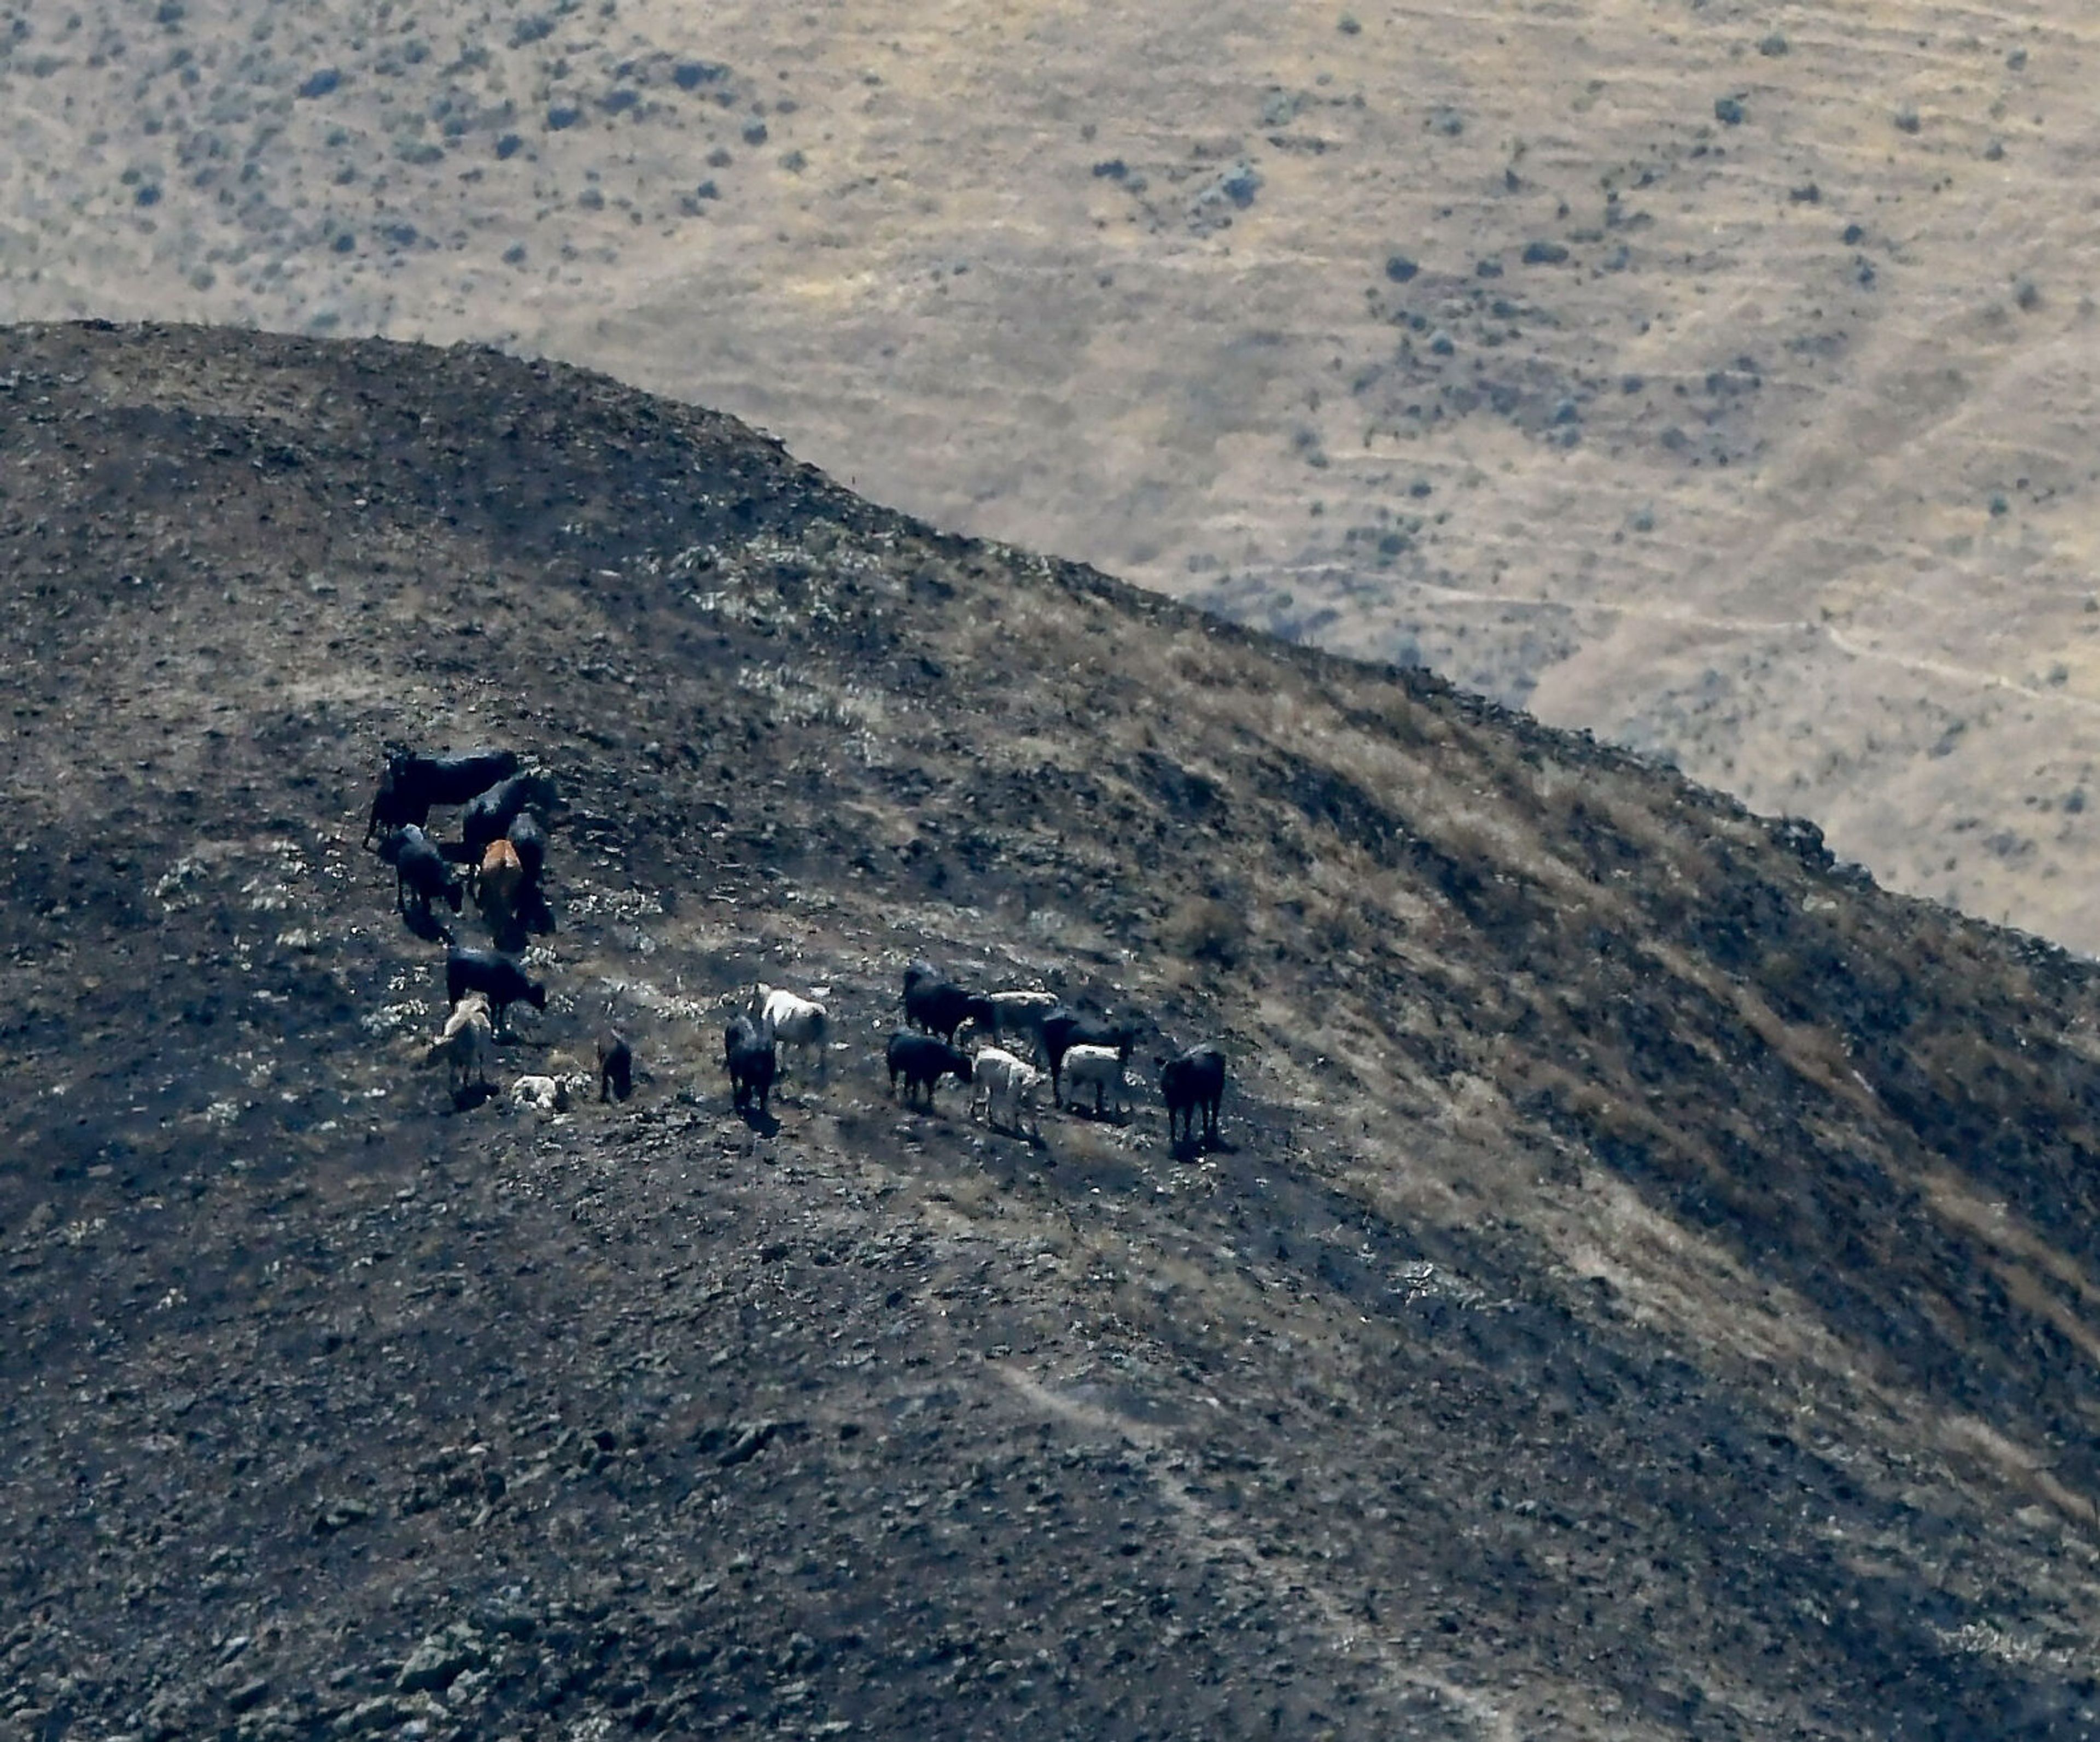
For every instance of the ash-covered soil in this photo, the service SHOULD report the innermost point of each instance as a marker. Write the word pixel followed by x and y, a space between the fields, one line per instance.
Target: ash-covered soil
pixel 1650 1288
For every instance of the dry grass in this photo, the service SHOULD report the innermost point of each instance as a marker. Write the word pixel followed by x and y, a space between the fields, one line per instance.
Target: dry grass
pixel 1760 451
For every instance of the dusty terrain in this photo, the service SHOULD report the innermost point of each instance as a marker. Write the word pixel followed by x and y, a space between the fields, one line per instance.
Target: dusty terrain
pixel 1718 376
pixel 1650 1287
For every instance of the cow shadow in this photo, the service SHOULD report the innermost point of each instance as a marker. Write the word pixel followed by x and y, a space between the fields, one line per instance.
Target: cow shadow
pixel 1117 1116
pixel 506 932
pixel 426 925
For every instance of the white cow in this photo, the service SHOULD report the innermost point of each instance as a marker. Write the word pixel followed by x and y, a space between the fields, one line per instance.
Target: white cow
pixel 1101 1066
pixel 1000 1080
pixel 467 1044
pixel 793 1021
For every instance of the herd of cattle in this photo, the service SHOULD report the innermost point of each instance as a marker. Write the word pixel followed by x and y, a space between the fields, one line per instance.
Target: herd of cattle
pixel 500 859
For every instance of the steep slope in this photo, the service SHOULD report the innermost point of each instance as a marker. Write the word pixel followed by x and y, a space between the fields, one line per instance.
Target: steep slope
pixel 1716 377
pixel 1650 1288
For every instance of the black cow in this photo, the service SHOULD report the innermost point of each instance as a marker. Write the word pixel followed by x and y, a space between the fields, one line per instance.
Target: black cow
pixel 418 866
pixel 1063 1029
pixel 748 1050
pixel 502 977
pixel 922 1061
pixel 489 814
pixel 615 1066
pixel 411 784
pixel 1196 1079
pixel 940 1006
pixel 526 835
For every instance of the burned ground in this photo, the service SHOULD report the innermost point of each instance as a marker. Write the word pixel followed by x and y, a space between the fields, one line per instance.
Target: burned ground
pixel 1651 1289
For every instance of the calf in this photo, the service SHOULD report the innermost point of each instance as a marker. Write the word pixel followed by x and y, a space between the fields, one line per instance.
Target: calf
pixel 411 784
pixel 543 1094
pixel 1000 1080
pixel 748 1050
pixel 501 977
pixel 1063 1030
pixel 465 1045
pixel 797 1022
pixel 489 814
pixel 1101 1066
pixel 615 1066
pixel 1196 1079
pixel 922 1061
pixel 418 866
pixel 940 1006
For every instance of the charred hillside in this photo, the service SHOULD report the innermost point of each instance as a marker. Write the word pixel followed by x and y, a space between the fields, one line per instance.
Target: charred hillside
pixel 1651 1285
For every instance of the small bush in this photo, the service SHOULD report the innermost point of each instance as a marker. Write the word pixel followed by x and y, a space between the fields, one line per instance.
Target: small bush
pixel 1203 929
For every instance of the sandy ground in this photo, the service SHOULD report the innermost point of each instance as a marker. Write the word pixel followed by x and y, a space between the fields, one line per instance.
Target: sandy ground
pixel 1717 377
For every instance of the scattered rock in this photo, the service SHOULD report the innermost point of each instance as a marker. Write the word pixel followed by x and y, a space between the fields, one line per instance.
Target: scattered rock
pixel 440 1660
pixel 249 1695
pixel 333 1516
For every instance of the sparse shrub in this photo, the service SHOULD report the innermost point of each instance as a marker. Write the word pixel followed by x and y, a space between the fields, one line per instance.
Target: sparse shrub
pixel 1202 928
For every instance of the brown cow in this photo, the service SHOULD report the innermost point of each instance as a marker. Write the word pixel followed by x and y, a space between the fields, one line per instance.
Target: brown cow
pixel 501 876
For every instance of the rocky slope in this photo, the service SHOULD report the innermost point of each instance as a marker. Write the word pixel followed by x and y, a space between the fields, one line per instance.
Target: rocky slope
pixel 1649 1289
pixel 1716 379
